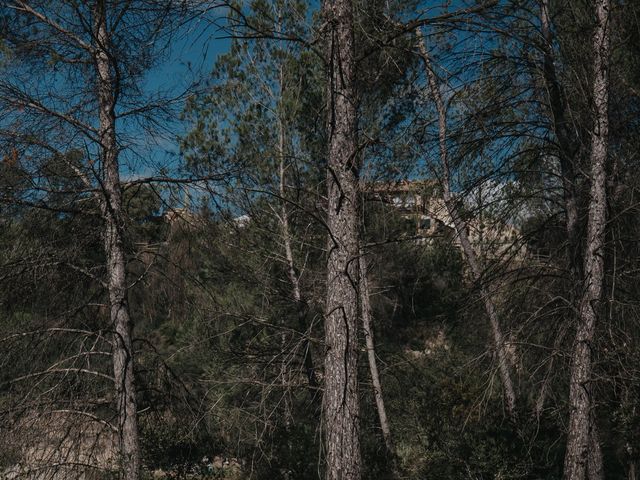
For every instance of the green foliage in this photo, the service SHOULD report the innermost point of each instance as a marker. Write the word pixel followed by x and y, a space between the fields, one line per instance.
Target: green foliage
pixel 222 345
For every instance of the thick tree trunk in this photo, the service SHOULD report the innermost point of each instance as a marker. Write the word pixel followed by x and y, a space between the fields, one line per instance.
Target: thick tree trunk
pixel 340 401
pixel 365 305
pixel 461 230
pixel 580 451
pixel 114 248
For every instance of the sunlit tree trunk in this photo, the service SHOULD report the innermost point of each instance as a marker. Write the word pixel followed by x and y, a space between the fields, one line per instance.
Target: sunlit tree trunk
pixel 340 401
pixel 461 231
pixel 112 213
pixel 579 457
pixel 365 305
pixel 566 141
pixel 567 152
pixel 292 272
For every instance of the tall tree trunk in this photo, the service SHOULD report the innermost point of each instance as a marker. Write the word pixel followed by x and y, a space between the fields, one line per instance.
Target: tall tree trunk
pixel 629 446
pixel 595 467
pixel 631 463
pixel 340 401
pixel 566 154
pixel 112 213
pixel 365 305
pixel 566 142
pixel 292 274
pixel 580 449
pixel 461 230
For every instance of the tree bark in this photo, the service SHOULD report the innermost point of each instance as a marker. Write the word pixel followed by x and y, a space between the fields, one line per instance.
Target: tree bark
pixel 365 305
pixel 340 401
pixel 567 155
pixel 595 467
pixel 112 212
pixel 292 274
pixel 631 463
pixel 461 230
pixel 566 142
pixel 580 453
pixel 557 107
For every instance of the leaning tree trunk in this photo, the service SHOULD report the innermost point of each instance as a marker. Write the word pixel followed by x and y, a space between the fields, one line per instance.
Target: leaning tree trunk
pixel 461 230
pixel 292 273
pixel 579 457
pixel 567 155
pixel 365 306
pixel 566 141
pixel 340 401
pixel 112 213
pixel 567 152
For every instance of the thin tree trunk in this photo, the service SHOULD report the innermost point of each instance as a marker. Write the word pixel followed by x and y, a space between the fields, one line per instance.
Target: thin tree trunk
pixel 114 248
pixel 284 221
pixel 461 230
pixel 340 401
pixel 566 142
pixel 629 446
pixel 544 388
pixel 631 463
pixel 567 173
pixel 580 452
pixel 567 156
pixel 569 181
pixel 294 279
pixel 595 468
pixel 365 305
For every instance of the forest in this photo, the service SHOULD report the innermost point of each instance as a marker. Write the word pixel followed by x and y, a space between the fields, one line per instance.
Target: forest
pixel 324 239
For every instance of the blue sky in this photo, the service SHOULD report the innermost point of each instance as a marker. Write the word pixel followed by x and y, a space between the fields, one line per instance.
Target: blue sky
pixel 194 49
pixel 190 59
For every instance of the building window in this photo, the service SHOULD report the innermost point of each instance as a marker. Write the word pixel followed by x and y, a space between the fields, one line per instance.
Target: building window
pixel 409 201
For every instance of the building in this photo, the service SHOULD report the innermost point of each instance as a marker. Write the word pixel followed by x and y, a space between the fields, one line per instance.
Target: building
pixel 420 203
